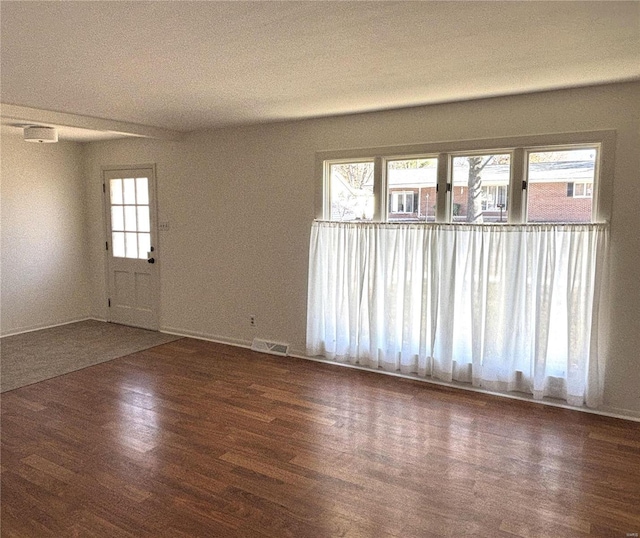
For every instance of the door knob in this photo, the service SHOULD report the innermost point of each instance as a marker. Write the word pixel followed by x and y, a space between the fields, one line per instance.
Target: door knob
pixel 151 260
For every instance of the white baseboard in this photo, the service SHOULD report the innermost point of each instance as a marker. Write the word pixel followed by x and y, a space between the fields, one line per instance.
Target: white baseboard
pixel 31 328
pixel 205 336
pixel 618 412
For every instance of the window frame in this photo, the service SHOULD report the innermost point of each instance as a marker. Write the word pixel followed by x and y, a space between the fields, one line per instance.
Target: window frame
pixel 595 190
pixel 385 160
pixel 518 147
pixel 326 181
pixel 494 151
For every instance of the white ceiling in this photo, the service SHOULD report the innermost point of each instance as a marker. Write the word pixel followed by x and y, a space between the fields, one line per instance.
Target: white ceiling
pixel 183 66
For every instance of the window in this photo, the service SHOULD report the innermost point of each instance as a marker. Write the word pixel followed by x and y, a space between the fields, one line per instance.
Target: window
pixel 582 190
pixel 502 307
pixel 494 197
pixel 412 189
pixel 351 188
pixel 561 185
pixel 479 186
pixel 130 218
pixel 402 201
pixel 538 179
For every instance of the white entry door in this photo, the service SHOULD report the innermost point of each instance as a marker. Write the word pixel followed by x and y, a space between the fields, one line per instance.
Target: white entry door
pixel 132 268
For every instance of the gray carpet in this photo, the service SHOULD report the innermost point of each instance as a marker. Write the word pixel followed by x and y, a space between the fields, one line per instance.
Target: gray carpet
pixel 39 355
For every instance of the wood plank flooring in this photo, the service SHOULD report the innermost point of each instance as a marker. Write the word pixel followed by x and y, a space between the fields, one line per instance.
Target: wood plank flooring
pixel 198 439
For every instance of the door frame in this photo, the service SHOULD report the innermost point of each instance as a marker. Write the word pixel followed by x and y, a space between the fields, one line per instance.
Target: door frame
pixel 153 210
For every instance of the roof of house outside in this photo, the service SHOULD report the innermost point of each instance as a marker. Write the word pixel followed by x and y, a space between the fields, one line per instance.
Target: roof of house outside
pixel 498 174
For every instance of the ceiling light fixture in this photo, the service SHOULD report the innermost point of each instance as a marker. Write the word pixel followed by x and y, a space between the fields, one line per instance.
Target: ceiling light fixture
pixel 34 133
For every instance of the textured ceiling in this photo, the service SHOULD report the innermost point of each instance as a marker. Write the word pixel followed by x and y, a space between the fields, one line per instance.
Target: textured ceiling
pixel 185 65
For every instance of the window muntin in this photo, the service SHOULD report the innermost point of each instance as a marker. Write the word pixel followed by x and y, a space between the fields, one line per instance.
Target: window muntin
pixel 351 191
pixel 475 178
pixel 411 185
pixel 560 185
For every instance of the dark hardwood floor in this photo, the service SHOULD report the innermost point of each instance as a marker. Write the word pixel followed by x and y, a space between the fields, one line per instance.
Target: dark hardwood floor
pixel 197 439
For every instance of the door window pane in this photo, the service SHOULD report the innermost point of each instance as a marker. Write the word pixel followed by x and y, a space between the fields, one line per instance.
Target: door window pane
pixel 412 189
pixel 130 218
pixel 131 245
pixel 144 245
pixel 142 190
pixel 560 185
pixel 144 223
pixel 115 188
pixel 129 191
pixel 117 240
pixel 351 187
pixel 480 188
pixel 117 218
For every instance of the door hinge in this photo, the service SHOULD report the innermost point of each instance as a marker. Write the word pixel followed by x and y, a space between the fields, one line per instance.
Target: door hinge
pixel 106 245
pixel 524 185
pixel 109 302
pixel 103 189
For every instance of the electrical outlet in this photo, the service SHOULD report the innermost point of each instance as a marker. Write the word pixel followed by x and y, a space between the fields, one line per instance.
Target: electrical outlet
pixel 252 321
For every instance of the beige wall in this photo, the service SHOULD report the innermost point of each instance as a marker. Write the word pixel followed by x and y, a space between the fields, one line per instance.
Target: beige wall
pixel 43 264
pixel 240 204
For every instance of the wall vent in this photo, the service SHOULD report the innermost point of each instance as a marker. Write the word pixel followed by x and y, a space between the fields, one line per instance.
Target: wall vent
pixel 274 348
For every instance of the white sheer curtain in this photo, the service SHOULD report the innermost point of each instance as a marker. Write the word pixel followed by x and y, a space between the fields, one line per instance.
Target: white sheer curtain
pixel 504 307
